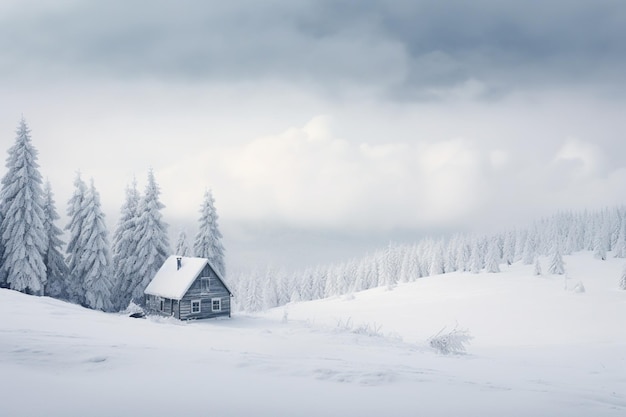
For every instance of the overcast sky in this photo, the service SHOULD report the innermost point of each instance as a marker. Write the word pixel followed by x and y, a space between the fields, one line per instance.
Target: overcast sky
pixel 324 128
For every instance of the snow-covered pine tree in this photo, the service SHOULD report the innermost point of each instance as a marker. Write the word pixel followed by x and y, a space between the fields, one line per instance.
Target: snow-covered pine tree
pixel 463 255
pixel 492 258
pixel 537 267
pixel 3 277
pixel 153 245
pixel 208 242
pixel 601 240
pixel 508 247
pixel 75 245
pixel 622 281
pixel 320 275
pixel 530 247
pixel 451 251
pixel 556 261
pixel 182 246
pixel 287 285
pixel 436 260
pixel 56 269
pixel 270 293
pixel 22 235
pixel 620 245
pixel 475 261
pixel 254 301
pixel 95 259
pixel 124 248
pixel 409 269
pixel 306 289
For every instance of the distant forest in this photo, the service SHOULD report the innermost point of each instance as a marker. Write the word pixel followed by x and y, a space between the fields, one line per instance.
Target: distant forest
pixel 602 231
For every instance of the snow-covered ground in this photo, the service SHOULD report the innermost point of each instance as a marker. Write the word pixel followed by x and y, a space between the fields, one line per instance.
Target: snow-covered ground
pixel 538 350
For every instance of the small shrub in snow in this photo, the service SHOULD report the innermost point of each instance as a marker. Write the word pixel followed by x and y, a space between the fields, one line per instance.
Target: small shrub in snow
pixel 365 329
pixel 450 342
pixel 132 309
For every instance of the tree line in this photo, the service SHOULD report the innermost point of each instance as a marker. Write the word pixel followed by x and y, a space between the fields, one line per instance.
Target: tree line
pixel 94 272
pixel 601 231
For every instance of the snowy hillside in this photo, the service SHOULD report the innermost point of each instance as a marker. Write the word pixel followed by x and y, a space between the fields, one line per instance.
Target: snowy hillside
pixel 538 350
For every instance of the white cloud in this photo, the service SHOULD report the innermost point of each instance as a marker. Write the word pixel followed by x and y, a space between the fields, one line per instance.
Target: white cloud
pixel 499 158
pixel 306 176
pixel 588 158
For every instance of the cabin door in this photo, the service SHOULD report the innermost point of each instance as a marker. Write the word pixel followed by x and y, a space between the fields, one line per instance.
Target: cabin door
pixel 174 306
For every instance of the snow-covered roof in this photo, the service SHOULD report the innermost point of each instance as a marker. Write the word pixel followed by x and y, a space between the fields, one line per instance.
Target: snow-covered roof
pixel 170 282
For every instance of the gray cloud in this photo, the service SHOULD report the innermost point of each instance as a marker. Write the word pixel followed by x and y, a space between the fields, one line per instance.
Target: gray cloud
pixel 193 88
pixel 402 48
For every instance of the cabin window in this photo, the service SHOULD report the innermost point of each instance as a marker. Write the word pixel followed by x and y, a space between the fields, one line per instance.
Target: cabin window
pixel 204 285
pixel 216 304
pixel 195 306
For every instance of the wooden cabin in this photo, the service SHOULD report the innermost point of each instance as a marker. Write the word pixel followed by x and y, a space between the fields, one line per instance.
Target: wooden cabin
pixel 188 289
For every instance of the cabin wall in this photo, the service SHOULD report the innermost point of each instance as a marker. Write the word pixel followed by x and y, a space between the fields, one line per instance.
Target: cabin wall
pixel 197 292
pixel 153 306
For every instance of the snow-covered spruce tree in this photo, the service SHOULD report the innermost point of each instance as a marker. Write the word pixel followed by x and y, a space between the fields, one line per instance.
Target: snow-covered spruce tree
pixel 492 258
pixel 508 247
pixel 22 235
pixel 3 277
pixel 620 244
pixel 537 270
pixel 208 242
pixel 475 261
pixel 556 261
pixel 124 248
pixel 95 258
pixel 409 268
pixel 254 296
pixel 436 260
pixel 530 247
pixel 601 241
pixel 463 256
pixel 75 245
pixel 153 245
pixel 56 269
pixel 622 281
pixel 182 246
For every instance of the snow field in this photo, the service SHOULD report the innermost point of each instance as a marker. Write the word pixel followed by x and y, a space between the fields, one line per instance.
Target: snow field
pixel 538 350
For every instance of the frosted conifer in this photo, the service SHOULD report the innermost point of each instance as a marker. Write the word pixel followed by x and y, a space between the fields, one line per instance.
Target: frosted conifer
pixel 95 258
pixel 22 235
pixel 436 260
pixel 208 243
pixel 491 259
pixel 57 272
pixel 620 245
pixel 530 248
pixel 508 248
pixel 153 245
pixel 601 242
pixel 622 281
pixel 76 213
pixel 556 263
pixel 476 262
pixel 537 267
pixel 125 240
